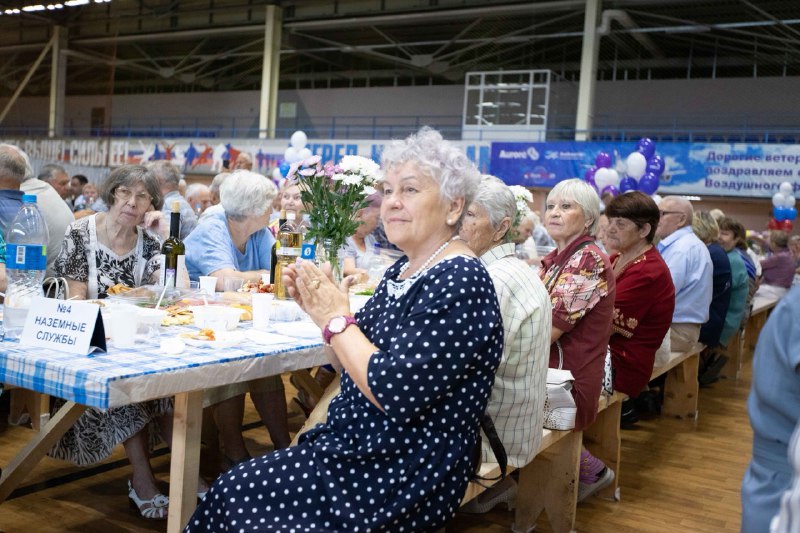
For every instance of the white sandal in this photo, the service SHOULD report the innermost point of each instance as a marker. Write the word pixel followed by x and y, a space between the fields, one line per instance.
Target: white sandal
pixel 156 508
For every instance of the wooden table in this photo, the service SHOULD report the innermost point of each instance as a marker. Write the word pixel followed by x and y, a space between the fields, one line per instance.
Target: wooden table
pixel 121 377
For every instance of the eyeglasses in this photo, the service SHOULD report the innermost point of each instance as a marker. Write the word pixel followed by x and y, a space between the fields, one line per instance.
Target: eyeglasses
pixel 662 213
pixel 124 194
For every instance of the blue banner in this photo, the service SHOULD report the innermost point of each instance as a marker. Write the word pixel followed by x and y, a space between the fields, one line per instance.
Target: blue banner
pixel 748 170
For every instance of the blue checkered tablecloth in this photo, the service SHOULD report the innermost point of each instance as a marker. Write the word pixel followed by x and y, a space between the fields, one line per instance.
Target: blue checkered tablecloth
pixel 119 377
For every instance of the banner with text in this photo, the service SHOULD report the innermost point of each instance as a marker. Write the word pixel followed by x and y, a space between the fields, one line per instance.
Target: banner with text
pixel 205 156
pixel 749 170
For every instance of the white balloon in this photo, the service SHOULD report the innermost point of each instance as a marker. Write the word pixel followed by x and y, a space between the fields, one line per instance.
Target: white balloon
pixel 603 178
pixel 656 198
pixel 615 179
pixel 788 201
pixel 276 174
pixel 786 189
pixel 637 165
pixel 777 199
pixel 305 153
pixel 298 140
pixel 291 155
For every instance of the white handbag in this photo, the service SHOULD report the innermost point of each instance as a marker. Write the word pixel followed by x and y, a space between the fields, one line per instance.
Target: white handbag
pixel 559 405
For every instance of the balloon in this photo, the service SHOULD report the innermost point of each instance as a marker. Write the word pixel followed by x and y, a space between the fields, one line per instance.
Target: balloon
pixel 614 178
pixel 787 225
pixel 648 183
pixel 788 201
pixel 603 160
pixel 284 168
pixel 791 213
pixel 610 189
pixel 603 178
pixel 628 184
pixel 656 198
pixel 277 175
pixel 291 155
pixel 588 176
pixel 637 164
pixel 780 213
pixel 773 224
pixel 298 140
pixel 777 199
pixel 305 153
pixel 655 166
pixel 646 147
pixel 786 188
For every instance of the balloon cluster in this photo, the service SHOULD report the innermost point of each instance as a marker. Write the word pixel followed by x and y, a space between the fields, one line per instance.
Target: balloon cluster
pixel 642 171
pixel 784 211
pixel 297 151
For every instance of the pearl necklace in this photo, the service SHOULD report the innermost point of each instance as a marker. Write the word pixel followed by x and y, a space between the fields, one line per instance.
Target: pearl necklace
pixel 430 259
pixel 398 288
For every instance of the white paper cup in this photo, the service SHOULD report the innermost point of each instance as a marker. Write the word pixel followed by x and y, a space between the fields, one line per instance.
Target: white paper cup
pixel 208 284
pixel 262 306
pixel 124 324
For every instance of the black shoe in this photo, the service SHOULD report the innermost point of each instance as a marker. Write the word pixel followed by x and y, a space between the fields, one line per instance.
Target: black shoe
pixel 647 403
pixel 628 418
pixel 711 373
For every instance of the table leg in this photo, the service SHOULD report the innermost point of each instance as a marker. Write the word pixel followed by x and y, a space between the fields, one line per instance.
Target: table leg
pixel 185 463
pixel 33 452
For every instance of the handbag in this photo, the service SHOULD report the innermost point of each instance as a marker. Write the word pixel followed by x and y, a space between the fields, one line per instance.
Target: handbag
pixel 608 375
pixel 487 426
pixel 56 288
pixel 559 405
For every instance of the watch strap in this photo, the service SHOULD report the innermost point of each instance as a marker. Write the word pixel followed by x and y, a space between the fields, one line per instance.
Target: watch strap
pixel 327 334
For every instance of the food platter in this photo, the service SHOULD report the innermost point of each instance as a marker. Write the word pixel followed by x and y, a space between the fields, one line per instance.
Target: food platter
pixel 148 295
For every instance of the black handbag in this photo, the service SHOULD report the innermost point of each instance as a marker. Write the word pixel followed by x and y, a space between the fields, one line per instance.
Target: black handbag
pixel 497 448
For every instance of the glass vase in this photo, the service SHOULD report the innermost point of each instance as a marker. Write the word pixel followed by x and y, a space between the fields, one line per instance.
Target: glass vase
pixel 329 253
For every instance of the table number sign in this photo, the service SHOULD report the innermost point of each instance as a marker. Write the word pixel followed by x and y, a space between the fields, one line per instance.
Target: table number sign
pixel 64 325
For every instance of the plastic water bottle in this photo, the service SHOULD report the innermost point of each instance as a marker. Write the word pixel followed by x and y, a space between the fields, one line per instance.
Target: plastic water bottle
pixel 26 264
pixel 309 248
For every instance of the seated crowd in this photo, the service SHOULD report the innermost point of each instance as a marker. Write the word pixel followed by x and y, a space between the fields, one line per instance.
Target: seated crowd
pixel 466 322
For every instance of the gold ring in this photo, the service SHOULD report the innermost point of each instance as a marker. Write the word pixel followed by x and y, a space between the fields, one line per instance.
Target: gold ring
pixel 314 284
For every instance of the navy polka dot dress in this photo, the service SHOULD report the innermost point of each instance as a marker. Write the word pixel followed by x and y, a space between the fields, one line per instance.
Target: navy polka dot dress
pixel 403 470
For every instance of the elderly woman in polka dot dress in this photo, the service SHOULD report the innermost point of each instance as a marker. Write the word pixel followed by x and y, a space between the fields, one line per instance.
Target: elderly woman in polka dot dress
pixel 418 363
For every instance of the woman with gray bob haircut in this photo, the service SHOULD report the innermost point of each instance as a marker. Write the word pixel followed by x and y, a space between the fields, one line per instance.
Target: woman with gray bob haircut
pixel 246 194
pixel 517 401
pixel 127 177
pixel 440 160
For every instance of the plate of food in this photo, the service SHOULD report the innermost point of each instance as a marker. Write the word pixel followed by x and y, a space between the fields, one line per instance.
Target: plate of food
pixel 257 286
pixel 209 338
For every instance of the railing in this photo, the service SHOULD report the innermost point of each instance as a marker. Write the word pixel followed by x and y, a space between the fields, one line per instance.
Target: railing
pixel 392 127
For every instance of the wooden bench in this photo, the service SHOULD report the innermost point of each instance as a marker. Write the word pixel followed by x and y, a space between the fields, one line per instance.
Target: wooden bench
pixel 549 483
pixel 743 345
pixel 681 386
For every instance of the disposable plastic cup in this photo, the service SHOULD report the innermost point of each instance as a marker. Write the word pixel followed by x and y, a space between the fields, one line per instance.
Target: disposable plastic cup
pixel 262 306
pixel 124 326
pixel 208 284
pixel 232 284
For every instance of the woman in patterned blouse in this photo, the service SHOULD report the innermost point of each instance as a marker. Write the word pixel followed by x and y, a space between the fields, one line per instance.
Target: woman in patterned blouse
pixel 582 288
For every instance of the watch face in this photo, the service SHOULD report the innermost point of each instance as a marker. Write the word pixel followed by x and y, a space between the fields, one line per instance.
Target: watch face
pixel 337 324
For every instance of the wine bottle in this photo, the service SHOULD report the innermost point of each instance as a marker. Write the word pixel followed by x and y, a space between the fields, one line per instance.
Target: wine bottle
pixel 174 251
pixel 273 262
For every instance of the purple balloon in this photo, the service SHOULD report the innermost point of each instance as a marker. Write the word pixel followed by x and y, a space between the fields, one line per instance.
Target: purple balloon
pixel 588 176
pixel 603 160
pixel 628 184
pixel 609 189
pixel 648 183
pixel 655 165
pixel 647 147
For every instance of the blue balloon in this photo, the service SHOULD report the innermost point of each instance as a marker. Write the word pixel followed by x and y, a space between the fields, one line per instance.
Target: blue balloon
pixel 603 160
pixel 628 184
pixel 791 213
pixel 648 183
pixel 588 176
pixel 610 189
pixel 655 166
pixel 647 147
pixel 284 167
pixel 780 213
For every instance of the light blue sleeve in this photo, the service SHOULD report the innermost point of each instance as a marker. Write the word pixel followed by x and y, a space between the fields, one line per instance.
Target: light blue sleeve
pixel 264 242
pixel 208 249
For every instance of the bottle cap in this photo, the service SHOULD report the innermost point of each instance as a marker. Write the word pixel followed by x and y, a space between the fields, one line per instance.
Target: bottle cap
pixel 176 207
pixel 29 198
